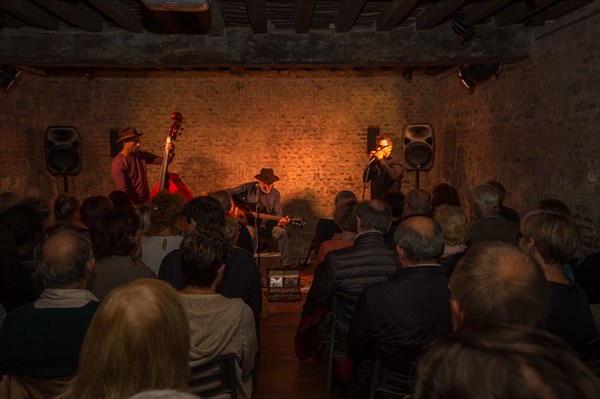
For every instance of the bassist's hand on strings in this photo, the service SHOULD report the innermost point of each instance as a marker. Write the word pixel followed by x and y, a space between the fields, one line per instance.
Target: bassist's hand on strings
pixel 170 146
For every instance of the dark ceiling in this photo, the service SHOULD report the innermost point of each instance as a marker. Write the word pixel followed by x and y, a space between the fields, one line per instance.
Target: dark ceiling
pixel 266 34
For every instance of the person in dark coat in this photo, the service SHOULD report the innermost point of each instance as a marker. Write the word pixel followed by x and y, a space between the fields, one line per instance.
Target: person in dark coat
pixel 405 314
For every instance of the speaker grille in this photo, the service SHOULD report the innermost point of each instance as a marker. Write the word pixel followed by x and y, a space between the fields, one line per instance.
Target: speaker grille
pixel 418 155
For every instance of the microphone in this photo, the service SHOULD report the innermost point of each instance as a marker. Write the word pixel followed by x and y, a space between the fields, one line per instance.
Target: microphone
pixel 373 159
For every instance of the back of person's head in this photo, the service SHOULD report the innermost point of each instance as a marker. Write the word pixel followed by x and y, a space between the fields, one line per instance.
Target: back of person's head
pixel 417 202
pixel 503 362
pixel 93 208
pixel 223 197
pixel 7 199
pixel 555 235
pixel 40 205
pixel 395 199
pixel 485 200
pixel 65 208
pixel 63 259
pixel 421 238
pixel 203 252
pixel 454 223
pixel 166 213
pixel 374 215
pixel 444 194
pixel 144 211
pixel 494 282
pixel 115 232
pixel 20 228
pixel 344 215
pixel 345 195
pixel 499 188
pixel 139 339
pixel 553 204
pixel 204 211
pixel 231 230
pixel 120 199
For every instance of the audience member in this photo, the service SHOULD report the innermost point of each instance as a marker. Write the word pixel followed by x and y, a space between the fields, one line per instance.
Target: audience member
pixel 244 239
pixel 144 211
pixel 346 272
pixel 551 239
pixel 507 362
pixel 417 203
pixel 233 331
pixel 116 238
pixel 507 213
pixel 344 216
pixel 20 231
pixel 40 341
pixel 443 194
pixel 457 230
pixel 403 315
pixel 7 200
pixel 241 278
pixel 93 208
pixel 494 283
pixel 120 199
pixel 395 199
pixel 138 340
pixel 164 232
pixel 587 275
pixel 326 228
pixel 488 225
pixel 66 213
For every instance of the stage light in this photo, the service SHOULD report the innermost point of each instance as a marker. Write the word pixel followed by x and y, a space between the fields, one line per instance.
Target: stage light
pixel 8 76
pixel 471 75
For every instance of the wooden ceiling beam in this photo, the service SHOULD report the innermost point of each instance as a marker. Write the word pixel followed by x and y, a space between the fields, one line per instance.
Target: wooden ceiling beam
pixel 304 14
pixel 482 10
pixel 556 11
pixel 257 14
pixel 403 46
pixel 74 14
pixel 520 11
pixel 118 13
pixel 348 14
pixel 437 12
pixel 212 20
pixel 394 13
pixel 31 14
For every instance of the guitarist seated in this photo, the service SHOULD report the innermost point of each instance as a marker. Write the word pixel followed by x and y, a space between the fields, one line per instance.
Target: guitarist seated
pixel 264 198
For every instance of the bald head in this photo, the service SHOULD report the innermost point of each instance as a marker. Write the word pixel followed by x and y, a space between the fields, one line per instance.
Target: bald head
pixel 496 283
pixel 64 259
pixel 421 239
pixel 417 202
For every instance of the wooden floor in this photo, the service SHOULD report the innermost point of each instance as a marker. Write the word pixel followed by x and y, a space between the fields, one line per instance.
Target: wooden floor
pixel 280 374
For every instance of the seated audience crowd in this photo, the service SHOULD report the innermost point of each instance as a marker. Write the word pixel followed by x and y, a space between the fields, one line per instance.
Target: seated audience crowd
pixel 113 300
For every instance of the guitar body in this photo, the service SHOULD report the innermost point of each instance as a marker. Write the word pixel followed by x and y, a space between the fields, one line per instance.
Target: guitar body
pixel 173 185
pixel 171 182
pixel 242 212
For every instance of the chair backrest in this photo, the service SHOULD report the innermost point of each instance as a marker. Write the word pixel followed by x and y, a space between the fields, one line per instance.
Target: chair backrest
pixel 394 376
pixel 215 378
pixel 338 341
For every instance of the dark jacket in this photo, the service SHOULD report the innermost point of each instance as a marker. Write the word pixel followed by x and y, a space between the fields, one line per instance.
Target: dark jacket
pixel 402 315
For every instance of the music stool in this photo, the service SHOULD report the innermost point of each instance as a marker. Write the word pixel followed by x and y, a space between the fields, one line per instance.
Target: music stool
pixel 283 285
pixel 268 260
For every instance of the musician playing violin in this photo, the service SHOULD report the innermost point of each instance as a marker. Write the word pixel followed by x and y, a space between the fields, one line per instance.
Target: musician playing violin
pixel 264 196
pixel 383 171
pixel 129 166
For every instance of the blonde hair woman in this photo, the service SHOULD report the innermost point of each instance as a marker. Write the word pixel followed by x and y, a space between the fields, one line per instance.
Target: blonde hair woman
pixel 138 340
pixel 457 230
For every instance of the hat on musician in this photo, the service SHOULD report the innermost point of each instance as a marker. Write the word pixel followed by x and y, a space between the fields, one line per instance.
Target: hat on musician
pixel 128 133
pixel 266 175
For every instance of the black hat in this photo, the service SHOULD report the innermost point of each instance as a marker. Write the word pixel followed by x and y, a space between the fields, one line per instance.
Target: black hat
pixel 266 175
pixel 127 133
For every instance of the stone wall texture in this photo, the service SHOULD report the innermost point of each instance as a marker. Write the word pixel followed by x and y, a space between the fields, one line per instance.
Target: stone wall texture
pixel 535 128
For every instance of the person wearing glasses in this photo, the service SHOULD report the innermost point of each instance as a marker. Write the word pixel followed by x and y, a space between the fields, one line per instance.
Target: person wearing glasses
pixel 383 171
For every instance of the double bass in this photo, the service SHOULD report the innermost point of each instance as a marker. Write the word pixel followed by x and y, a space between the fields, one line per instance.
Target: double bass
pixel 171 181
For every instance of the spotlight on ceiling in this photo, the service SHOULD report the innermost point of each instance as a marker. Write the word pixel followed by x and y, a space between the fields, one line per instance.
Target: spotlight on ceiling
pixel 471 75
pixel 8 76
pixel 177 5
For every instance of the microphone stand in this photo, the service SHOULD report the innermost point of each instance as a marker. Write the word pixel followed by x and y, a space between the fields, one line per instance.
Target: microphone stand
pixel 256 227
pixel 366 173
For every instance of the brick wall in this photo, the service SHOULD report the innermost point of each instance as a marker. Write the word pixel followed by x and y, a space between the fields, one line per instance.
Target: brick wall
pixel 535 129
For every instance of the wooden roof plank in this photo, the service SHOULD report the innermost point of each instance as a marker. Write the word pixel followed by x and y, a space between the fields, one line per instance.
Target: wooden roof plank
pixel 31 14
pixel 556 11
pixel 394 13
pixel 74 14
pixel 119 13
pixel 482 10
pixel 347 15
pixel 518 11
pixel 257 15
pixel 437 12
pixel 304 14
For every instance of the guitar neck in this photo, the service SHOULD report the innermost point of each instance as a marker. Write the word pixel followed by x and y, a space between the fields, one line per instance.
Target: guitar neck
pixel 266 216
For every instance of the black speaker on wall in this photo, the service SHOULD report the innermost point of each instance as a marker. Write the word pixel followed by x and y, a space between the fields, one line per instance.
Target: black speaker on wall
pixel 372 133
pixel 63 150
pixel 417 139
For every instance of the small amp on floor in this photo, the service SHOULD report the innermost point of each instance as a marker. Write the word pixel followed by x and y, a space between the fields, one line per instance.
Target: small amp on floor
pixel 283 285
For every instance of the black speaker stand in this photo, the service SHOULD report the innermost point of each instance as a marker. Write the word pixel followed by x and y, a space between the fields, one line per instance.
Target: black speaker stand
pixel 66 183
pixel 417 182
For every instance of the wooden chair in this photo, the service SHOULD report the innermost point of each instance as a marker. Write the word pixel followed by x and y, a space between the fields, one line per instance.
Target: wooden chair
pixel 337 343
pixel 394 377
pixel 215 378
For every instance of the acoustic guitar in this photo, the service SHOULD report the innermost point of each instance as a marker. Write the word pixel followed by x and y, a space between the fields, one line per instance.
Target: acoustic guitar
pixel 171 181
pixel 242 209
